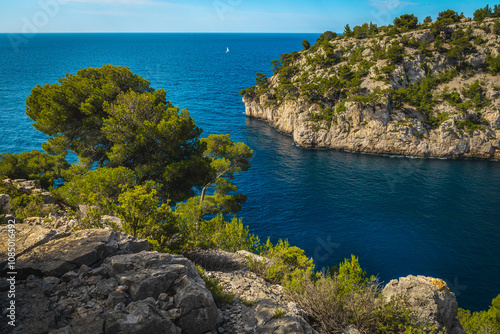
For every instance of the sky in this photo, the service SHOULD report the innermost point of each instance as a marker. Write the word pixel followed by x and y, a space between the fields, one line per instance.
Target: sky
pixel 288 16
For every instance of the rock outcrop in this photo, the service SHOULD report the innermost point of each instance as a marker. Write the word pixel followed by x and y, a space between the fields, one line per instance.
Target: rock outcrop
pixel 430 300
pixel 322 106
pixel 103 281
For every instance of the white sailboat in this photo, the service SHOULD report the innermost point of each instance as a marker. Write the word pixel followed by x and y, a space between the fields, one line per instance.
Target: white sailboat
pixel 227 50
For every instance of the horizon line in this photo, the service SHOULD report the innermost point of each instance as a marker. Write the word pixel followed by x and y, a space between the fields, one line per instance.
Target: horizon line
pixel 158 32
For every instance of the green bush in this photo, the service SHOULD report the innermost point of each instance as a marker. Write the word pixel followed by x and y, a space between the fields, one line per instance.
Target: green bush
pixel 288 264
pixel 100 187
pixel 25 206
pixel 349 298
pixel 435 121
pixel 218 233
pixel 33 165
pixel 482 322
pixel 395 54
pixel 144 216
pixel 406 22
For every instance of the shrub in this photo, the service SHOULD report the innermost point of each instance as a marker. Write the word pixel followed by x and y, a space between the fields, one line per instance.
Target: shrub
pixel 395 53
pixel 288 264
pixel 33 165
pixel 25 206
pixel 496 27
pixel 100 187
pixel 435 121
pixel 349 297
pixel 219 233
pixel 144 216
pixel 406 22
pixel 483 321
pixel 477 94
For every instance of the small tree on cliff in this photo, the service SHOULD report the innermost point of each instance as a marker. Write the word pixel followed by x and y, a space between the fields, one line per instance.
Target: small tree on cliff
pixel 227 158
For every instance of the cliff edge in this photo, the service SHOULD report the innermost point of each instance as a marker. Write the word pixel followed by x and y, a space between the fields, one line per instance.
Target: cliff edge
pixel 427 91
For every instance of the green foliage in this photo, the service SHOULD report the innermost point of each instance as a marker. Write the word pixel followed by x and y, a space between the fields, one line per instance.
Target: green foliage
pixel 439 44
pixel 395 54
pixel 449 15
pixel 278 313
pixel 427 19
pixel 471 123
pixel 219 234
pixel 260 80
pixel 347 31
pixel 305 44
pixel 326 36
pixel 157 141
pixel 496 26
pixel 365 30
pixel 461 45
pixel 423 49
pixel 435 121
pixel 24 206
pixel 337 300
pixel 219 194
pixel 71 112
pixel 100 187
pixel 33 165
pixel 420 94
pixel 406 22
pixel 482 13
pixel 482 322
pixel 247 90
pixel 477 94
pixel 493 64
pixel 144 216
pixel 288 265
pixel 112 117
pixel 325 115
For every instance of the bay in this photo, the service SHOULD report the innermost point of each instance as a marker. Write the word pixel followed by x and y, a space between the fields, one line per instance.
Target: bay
pixel 401 216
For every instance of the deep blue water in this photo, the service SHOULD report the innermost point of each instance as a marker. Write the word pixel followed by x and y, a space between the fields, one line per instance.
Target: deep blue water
pixel 400 216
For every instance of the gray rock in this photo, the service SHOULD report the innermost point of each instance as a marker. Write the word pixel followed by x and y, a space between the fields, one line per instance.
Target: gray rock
pixel 197 310
pixel 4 204
pixel 47 198
pixel 73 249
pixel 429 299
pixel 139 317
pixel 351 330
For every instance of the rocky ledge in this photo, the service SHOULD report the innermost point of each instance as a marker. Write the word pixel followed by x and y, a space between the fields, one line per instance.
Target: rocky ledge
pixel 104 281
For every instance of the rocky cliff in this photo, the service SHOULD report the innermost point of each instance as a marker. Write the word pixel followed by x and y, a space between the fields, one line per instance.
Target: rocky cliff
pixel 104 281
pixel 430 91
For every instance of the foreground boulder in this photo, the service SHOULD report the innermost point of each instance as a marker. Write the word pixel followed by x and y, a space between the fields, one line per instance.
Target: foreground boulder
pixel 430 300
pixel 103 281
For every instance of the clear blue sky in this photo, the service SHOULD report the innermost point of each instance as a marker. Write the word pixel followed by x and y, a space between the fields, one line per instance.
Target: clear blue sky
pixel 212 15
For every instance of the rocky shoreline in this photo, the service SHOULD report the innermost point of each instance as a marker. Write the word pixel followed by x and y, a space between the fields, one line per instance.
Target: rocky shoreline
pixel 369 120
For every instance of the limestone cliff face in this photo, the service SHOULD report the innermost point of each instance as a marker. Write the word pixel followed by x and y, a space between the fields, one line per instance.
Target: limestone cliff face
pixel 365 118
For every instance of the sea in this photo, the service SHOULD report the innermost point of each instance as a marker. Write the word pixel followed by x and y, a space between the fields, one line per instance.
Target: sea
pixel 400 216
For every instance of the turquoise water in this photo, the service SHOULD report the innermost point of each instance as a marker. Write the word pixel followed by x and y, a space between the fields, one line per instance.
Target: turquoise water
pixel 400 216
